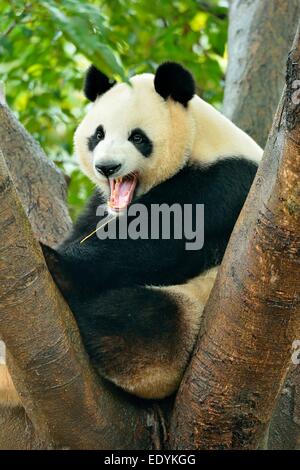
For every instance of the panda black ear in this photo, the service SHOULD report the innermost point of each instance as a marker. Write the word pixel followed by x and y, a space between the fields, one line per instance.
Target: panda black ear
pixel 173 80
pixel 96 83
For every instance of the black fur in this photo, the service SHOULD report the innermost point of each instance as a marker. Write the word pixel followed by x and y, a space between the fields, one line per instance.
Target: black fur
pixel 145 146
pixel 104 313
pixel 94 139
pixel 98 265
pixel 173 80
pixel 126 330
pixel 96 83
pixel 103 280
pixel 118 313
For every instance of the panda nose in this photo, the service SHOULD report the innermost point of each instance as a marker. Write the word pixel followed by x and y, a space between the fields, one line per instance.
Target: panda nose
pixel 107 169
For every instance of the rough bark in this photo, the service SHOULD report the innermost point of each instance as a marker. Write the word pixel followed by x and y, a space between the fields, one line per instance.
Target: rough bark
pixel 40 185
pixel 68 406
pixel 253 315
pixel 60 393
pixel 260 36
pixel 284 431
pixel 42 190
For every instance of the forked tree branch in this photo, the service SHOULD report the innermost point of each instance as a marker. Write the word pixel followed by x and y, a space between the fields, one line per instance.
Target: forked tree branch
pixel 253 315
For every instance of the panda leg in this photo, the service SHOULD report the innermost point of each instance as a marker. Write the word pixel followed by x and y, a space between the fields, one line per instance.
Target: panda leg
pixel 141 338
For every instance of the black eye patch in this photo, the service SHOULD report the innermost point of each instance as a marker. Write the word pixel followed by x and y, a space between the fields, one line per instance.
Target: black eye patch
pixel 94 139
pixel 141 142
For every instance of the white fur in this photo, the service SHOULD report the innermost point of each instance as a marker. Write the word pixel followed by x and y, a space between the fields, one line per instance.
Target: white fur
pixel 217 137
pixel 199 133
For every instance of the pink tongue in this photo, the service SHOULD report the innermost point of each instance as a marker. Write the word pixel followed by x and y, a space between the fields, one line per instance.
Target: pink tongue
pixel 121 192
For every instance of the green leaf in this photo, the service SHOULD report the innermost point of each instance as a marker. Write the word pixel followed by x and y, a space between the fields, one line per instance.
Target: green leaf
pixel 50 43
pixel 79 30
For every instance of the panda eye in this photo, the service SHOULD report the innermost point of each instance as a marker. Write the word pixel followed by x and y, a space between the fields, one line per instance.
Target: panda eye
pixel 100 133
pixel 136 138
pixel 141 141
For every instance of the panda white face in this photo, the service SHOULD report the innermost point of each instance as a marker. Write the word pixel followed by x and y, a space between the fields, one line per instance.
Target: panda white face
pixel 135 137
pixel 132 139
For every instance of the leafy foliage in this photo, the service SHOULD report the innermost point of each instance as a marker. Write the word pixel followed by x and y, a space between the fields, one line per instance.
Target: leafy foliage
pixel 45 47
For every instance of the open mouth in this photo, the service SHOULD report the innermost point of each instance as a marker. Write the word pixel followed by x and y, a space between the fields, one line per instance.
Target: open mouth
pixel 121 191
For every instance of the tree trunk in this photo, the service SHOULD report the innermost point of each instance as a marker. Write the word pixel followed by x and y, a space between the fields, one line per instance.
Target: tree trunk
pixel 41 187
pixel 253 315
pixel 42 190
pixel 259 38
pixel 49 367
pixel 284 431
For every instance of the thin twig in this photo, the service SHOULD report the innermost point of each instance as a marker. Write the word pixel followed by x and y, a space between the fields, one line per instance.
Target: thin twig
pixel 9 29
pixel 98 228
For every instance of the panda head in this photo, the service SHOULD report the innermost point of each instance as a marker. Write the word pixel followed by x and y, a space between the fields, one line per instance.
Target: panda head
pixel 135 136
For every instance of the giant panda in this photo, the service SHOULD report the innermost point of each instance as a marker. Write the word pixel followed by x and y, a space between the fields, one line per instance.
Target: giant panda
pixel 138 302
